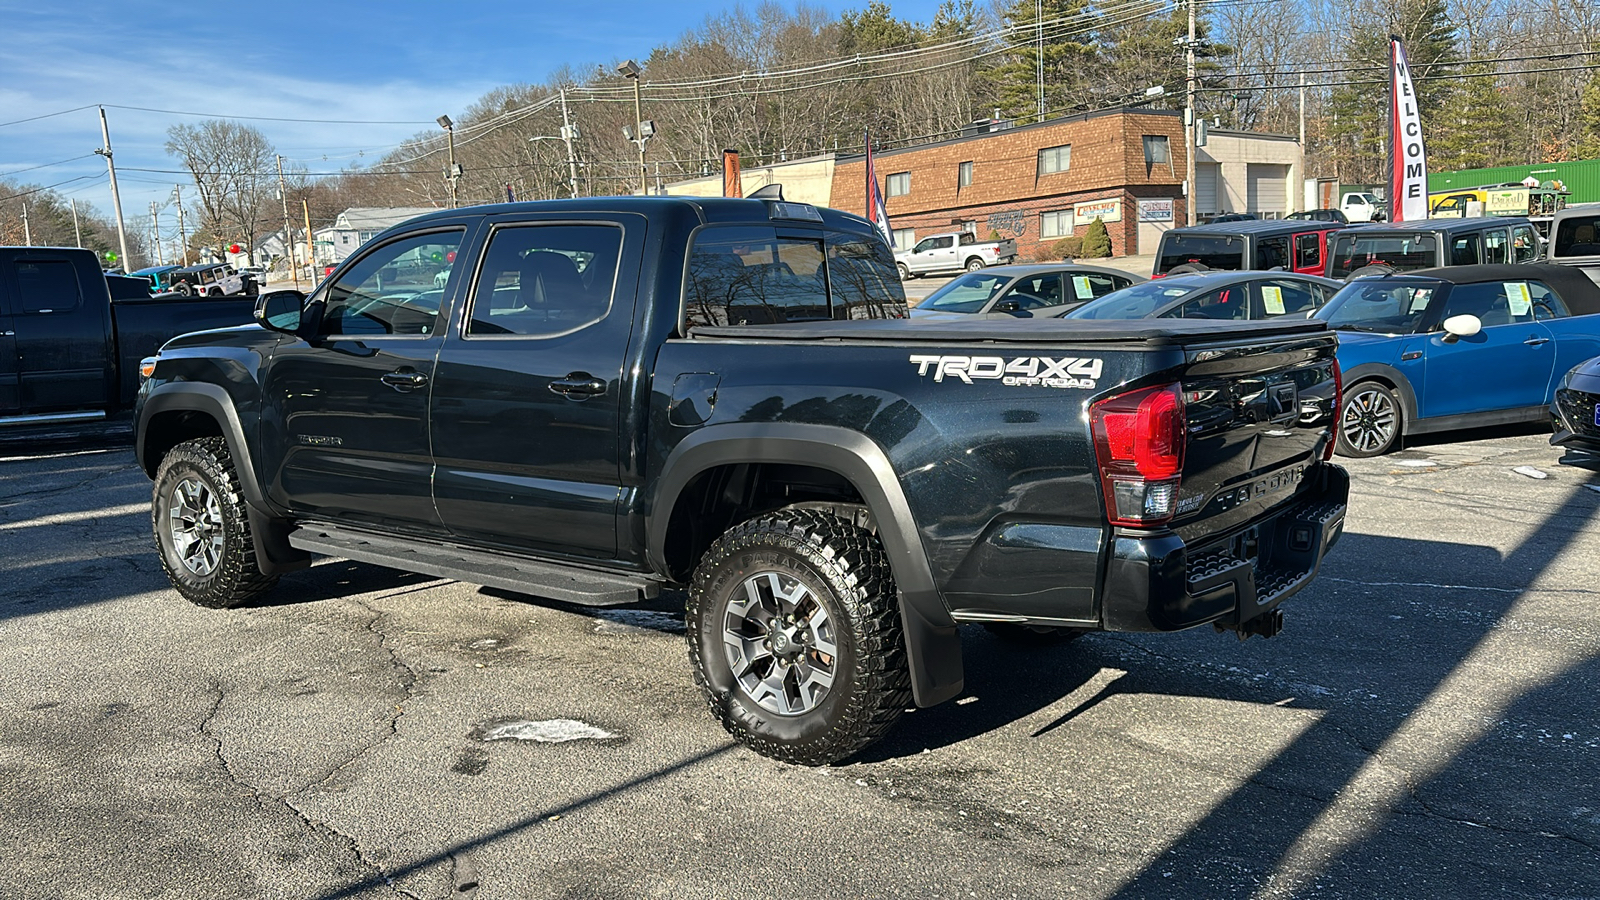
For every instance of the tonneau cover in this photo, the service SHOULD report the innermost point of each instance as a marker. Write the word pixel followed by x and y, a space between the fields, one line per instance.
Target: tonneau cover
pixel 1017 331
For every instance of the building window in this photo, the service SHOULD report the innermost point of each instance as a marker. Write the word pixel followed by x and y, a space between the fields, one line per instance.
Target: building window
pixel 1157 150
pixel 899 184
pixel 1056 224
pixel 904 238
pixel 1055 159
pixel 964 175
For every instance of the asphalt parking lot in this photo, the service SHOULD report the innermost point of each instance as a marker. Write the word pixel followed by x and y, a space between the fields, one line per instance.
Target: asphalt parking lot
pixel 1426 726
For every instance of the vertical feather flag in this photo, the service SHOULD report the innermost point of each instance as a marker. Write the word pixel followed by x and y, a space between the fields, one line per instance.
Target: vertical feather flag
pixel 875 208
pixel 1408 173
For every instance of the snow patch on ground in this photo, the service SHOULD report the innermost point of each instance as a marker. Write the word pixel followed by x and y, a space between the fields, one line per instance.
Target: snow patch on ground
pixel 1417 463
pixel 549 731
pixel 637 621
pixel 1531 472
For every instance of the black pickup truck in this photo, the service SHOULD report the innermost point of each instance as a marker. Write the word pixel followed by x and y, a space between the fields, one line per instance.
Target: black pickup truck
pixel 72 337
pixel 590 400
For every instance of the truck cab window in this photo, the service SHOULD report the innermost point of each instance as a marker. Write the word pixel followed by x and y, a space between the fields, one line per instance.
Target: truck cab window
pixel 393 290
pixel 545 280
pixel 47 286
pixel 748 275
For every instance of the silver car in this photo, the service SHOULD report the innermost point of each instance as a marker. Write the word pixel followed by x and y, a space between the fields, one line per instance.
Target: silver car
pixel 1024 291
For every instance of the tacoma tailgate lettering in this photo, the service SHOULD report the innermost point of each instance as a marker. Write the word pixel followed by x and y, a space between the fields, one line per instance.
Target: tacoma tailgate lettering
pixel 1020 371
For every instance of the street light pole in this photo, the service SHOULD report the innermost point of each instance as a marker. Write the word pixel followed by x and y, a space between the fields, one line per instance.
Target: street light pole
pixel 567 134
pixel 77 233
pixel 631 71
pixel 454 172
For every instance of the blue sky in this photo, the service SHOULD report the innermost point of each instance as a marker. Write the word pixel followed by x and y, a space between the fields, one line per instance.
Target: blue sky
pixel 395 61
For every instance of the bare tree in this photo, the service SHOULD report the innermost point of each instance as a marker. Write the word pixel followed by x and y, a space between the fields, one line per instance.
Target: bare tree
pixel 233 167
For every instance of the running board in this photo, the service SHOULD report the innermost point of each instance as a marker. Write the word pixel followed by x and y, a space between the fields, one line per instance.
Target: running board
pixel 571 584
pixel 51 418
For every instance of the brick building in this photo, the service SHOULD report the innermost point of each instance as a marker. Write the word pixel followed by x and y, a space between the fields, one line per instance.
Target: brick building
pixel 1040 183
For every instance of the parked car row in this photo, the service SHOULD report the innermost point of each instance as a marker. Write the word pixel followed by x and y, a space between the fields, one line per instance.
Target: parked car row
pixel 203 280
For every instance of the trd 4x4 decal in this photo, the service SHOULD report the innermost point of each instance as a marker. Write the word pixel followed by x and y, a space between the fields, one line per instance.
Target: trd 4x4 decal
pixel 1025 371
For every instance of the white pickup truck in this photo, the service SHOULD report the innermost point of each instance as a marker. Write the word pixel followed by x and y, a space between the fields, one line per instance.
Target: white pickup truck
pixel 952 252
pixel 1363 206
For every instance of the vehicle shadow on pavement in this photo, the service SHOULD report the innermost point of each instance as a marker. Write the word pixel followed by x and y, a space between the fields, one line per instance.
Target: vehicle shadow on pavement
pixel 1436 788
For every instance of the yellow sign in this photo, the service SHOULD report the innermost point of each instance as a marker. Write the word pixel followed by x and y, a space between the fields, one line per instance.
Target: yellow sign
pixel 1081 288
pixel 1517 297
pixel 1273 298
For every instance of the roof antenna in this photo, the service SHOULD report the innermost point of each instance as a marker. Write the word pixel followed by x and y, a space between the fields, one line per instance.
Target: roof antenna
pixel 772 191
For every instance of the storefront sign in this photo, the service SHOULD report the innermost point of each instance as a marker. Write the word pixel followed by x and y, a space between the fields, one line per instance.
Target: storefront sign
pixel 1104 210
pixel 1010 224
pixel 1155 210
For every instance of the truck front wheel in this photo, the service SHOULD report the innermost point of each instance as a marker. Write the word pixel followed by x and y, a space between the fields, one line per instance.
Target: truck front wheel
pixel 201 529
pixel 794 636
pixel 905 273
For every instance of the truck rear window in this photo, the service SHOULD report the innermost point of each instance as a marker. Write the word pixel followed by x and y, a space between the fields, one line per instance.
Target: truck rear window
pixel 1212 251
pixel 1577 236
pixel 751 275
pixel 1404 252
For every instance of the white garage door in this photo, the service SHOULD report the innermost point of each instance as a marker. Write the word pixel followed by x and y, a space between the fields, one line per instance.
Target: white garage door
pixel 1205 188
pixel 1268 188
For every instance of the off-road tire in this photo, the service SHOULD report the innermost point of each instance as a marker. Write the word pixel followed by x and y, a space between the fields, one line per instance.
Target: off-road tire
pixel 847 572
pixel 184 288
pixel 214 292
pixel 975 264
pixel 1379 400
pixel 236 578
pixel 1032 635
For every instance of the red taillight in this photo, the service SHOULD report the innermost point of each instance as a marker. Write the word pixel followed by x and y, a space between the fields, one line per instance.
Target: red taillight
pixel 1338 411
pixel 1139 439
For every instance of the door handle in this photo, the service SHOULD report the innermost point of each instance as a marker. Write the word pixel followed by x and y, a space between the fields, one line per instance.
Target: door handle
pixel 403 380
pixel 578 386
pixel 1536 341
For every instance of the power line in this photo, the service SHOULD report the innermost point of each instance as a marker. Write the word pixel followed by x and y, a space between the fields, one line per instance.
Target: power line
pixel 48 115
pixel 179 112
pixel 45 165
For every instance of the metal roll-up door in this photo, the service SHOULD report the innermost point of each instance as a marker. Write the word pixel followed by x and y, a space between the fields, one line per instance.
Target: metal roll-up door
pixel 1268 187
pixel 1205 188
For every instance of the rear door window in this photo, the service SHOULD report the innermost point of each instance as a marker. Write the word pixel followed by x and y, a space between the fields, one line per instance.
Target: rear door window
pixel 47 286
pixel 1307 251
pixel 1466 250
pixel 545 280
pixel 1497 245
pixel 1272 253
pixel 1209 250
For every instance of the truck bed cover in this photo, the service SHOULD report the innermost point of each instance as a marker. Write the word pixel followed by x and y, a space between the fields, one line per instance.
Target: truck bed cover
pixel 1162 332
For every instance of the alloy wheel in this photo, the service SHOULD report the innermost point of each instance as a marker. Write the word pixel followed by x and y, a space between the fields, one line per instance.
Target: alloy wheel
pixel 1369 419
pixel 780 644
pixel 195 520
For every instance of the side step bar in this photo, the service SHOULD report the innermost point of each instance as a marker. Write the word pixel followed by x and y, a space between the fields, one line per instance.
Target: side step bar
pixel 572 584
pixel 52 418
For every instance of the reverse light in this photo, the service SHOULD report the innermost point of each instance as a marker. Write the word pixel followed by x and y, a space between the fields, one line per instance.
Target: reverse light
pixel 1338 412
pixel 1139 441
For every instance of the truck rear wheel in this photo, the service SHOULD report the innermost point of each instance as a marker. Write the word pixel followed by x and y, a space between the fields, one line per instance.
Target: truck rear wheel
pixel 794 636
pixel 974 264
pixel 202 532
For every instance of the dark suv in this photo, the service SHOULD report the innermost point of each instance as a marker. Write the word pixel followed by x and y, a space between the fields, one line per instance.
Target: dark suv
pixel 1405 246
pixel 1294 246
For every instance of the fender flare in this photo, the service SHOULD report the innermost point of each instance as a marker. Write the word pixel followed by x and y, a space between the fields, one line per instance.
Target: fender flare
pixel 1402 386
pixel 212 400
pixel 933 642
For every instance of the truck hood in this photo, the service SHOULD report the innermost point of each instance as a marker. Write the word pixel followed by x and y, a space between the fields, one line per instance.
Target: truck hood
pixel 251 336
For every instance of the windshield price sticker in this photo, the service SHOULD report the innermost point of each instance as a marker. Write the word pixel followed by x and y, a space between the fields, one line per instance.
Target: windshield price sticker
pixel 1021 371
pixel 1080 287
pixel 1518 297
pixel 1273 298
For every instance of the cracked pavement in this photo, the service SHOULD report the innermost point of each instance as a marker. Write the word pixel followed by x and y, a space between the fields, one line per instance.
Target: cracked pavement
pixel 1425 726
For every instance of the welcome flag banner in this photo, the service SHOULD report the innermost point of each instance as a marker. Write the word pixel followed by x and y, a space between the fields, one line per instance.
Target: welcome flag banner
pixel 1408 174
pixel 875 208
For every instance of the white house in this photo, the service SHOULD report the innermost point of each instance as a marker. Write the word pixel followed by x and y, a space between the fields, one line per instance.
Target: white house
pixel 357 225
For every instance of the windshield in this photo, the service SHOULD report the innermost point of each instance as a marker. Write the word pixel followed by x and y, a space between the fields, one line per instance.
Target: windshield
pixel 1403 252
pixel 1134 302
pixel 1214 251
pixel 967 294
pixel 1386 306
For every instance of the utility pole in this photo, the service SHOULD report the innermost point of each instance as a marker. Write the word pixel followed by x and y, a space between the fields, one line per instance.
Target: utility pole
pixel 288 236
pixel 311 253
pixel 454 171
pixel 155 229
pixel 183 239
pixel 116 198
pixel 27 233
pixel 567 134
pixel 1189 121
pixel 77 232
pixel 1038 23
pixel 638 124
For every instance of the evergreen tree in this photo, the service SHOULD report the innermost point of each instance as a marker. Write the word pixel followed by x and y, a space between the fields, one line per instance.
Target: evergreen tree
pixel 1359 129
pixel 1475 126
pixel 1096 240
pixel 1588 143
pixel 1068 57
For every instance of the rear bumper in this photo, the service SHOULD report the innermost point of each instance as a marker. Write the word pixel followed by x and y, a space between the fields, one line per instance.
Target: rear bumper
pixel 1158 583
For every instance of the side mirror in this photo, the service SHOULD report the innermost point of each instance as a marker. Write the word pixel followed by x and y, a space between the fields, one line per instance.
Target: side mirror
pixel 1007 306
pixel 1458 327
pixel 280 311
